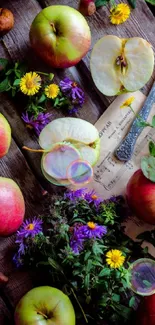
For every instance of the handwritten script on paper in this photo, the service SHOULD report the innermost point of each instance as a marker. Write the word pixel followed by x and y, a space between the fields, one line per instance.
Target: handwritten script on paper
pixel 110 174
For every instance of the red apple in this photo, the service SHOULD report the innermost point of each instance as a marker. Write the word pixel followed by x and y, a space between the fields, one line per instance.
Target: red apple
pixel 87 7
pixel 140 193
pixel 146 311
pixel 5 136
pixel 12 206
pixel 60 35
pixel 6 21
pixel 44 305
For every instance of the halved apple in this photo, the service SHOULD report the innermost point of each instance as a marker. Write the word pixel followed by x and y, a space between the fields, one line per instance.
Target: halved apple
pixel 66 141
pixel 56 162
pixel 121 65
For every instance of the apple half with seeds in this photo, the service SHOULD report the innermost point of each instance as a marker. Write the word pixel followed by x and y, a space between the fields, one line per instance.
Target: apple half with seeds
pixel 121 65
pixel 67 140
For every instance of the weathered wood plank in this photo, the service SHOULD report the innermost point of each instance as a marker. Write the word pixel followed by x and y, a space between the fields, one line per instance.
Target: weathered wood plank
pixel 5 317
pixel 14 166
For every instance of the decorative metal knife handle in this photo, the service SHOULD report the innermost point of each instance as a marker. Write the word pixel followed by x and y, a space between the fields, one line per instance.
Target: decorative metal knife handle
pixel 126 147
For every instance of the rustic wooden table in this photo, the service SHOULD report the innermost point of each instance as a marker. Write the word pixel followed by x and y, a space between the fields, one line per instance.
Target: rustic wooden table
pixel 23 166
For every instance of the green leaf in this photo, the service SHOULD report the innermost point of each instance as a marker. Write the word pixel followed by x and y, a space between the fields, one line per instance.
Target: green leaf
pixel 88 266
pixel 153 121
pixel 87 281
pixel 148 167
pixel 152 148
pixel 16 82
pixel 116 297
pixel 132 3
pixel 104 272
pixel 51 76
pixel 9 72
pixel 3 63
pixel 100 3
pixel 132 302
pixel 4 85
pixel 87 256
pixel 41 99
pixel 151 1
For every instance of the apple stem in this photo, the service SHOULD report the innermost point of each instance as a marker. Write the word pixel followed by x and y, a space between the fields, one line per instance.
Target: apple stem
pixel 34 150
pixel 53 26
pixel 40 313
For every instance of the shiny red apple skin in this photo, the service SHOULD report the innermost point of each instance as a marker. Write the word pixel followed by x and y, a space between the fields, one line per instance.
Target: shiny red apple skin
pixel 6 21
pixel 5 136
pixel 44 306
pixel 140 194
pixel 146 311
pixel 12 206
pixel 60 35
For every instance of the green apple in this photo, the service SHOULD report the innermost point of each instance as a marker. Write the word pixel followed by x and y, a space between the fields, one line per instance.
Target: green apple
pixel 121 65
pixel 5 136
pixel 60 35
pixel 44 306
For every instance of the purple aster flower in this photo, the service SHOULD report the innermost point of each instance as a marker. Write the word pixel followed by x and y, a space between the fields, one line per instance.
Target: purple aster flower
pixel 92 197
pixel 76 242
pixel 37 123
pixel 17 260
pixel 70 89
pixel 29 228
pixel 92 230
pixel 73 195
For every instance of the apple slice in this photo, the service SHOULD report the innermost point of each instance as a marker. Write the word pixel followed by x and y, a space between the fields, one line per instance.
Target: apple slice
pixel 88 153
pixel 121 64
pixel 55 163
pixel 68 129
pixel 52 180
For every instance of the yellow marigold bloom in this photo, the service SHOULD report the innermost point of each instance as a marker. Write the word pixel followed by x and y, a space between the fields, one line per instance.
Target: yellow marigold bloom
pixel 30 83
pixel 52 91
pixel 128 102
pixel 119 14
pixel 115 258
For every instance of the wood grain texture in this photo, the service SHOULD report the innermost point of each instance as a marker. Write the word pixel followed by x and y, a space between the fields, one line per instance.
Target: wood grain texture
pixel 14 166
pixel 15 45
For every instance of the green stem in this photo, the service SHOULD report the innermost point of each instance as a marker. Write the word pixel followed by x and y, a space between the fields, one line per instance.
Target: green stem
pixel 139 117
pixel 112 3
pixel 84 315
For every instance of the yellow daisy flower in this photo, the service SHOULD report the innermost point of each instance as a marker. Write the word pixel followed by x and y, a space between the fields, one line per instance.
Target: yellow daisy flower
pixel 30 83
pixel 115 258
pixel 52 91
pixel 119 14
pixel 128 102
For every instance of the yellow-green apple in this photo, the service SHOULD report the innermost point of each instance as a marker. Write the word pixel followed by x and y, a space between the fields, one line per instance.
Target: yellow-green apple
pixel 5 136
pixel 60 35
pixel 44 305
pixel 140 194
pixel 6 21
pixel 121 65
pixel 12 206
pixel 67 140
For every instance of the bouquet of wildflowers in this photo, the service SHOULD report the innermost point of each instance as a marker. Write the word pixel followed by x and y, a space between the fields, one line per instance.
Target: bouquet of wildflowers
pixel 81 245
pixel 41 93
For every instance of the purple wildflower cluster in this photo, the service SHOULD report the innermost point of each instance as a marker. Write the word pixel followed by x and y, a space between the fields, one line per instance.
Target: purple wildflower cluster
pixel 29 229
pixel 83 233
pixel 71 90
pixel 90 197
pixel 37 123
